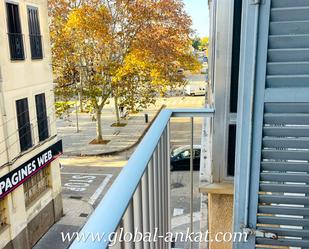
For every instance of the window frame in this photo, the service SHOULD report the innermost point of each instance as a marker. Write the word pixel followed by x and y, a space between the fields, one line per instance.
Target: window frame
pixel 14 36
pixel 35 37
pixel 31 194
pixel 42 118
pixel 24 125
pixel 233 83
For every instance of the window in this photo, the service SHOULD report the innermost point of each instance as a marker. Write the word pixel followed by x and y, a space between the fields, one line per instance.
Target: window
pixel 24 126
pixel 14 32
pixel 231 150
pixel 34 33
pixel 36 185
pixel 41 116
pixel 235 55
pixel 3 217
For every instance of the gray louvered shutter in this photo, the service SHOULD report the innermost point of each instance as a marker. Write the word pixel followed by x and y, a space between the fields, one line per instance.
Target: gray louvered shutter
pixel 272 159
pixel 283 201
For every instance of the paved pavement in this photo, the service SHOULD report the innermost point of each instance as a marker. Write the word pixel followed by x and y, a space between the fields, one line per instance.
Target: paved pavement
pixel 78 144
pixel 83 188
pixel 180 204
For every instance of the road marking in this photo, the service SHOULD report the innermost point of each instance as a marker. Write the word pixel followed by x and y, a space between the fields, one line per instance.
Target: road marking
pixel 99 190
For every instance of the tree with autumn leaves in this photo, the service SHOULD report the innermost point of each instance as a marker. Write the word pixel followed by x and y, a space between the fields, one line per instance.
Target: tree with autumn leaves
pixel 130 50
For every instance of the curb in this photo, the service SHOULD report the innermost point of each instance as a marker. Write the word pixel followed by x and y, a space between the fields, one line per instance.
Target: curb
pixel 111 153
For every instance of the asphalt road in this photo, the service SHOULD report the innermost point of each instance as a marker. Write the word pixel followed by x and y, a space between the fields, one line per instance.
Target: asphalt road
pixel 87 183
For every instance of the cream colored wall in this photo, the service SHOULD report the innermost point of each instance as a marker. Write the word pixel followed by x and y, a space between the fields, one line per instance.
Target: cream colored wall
pixel 25 79
pixel 28 77
pixel 17 215
pixel 55 180
pixel 3 154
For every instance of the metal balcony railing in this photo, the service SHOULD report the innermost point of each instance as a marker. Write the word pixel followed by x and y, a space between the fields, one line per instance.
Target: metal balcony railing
pixel 139 199
pixel 36 46
pixel 16 42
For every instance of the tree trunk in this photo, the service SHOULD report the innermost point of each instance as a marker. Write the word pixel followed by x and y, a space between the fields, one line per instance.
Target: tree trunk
pixel 99 137
pixel 80 93
pixel 80 98
pixel 117 109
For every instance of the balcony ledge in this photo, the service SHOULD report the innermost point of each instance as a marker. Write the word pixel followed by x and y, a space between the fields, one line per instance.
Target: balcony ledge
pixel 217 188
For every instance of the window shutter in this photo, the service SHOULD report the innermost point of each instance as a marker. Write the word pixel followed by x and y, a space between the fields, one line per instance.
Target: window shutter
pixel 272 181
pixel 14 32
pixel 283 203
pixel 41 116
pixel 24 126
pixel 34 33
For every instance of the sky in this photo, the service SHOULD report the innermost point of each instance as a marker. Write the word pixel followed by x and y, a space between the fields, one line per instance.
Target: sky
pixel 198 10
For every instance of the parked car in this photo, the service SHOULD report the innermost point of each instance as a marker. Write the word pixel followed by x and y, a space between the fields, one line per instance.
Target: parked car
pixel 180 158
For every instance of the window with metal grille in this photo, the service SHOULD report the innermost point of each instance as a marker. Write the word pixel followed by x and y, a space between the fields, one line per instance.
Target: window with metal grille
pixel 36 185
pixel 3 217
pixel 14 32
pixel 24 126
pixel 41 116
pixel 235 55
pixel 34 33
pixel 234 87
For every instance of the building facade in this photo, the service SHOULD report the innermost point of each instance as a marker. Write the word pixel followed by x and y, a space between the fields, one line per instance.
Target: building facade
pixel 30 186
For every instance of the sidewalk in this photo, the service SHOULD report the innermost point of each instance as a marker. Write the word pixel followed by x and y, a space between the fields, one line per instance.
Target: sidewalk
pixel 76 214
pixel 121 138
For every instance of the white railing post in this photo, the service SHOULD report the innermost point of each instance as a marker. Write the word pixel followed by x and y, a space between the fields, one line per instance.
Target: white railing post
pixel 165 186
pixel 168 180
pixel 151 200
pixel 156 194
pixel 128 226
pixel 167 183
pixel 138 217
pixel 160 191
pixel 191 179
pixel 146 205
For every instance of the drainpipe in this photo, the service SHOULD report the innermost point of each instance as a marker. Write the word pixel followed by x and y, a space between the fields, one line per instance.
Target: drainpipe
pixel 4 117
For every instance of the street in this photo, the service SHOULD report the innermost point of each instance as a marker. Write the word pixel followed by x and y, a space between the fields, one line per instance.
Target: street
pixel 86 179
